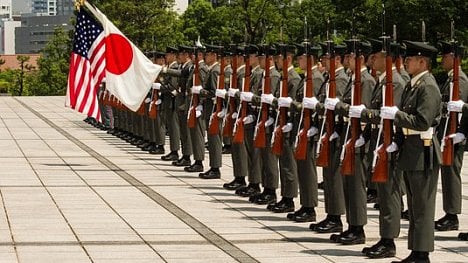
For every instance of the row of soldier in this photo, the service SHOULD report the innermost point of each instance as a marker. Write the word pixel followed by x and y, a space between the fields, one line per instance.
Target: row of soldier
pixel 279 126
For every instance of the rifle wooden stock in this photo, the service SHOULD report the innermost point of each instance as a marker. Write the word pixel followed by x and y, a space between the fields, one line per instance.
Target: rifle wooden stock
pixel 229 121
pixel 153 109
pixel 381 167
pixel 348 164
pixel 302 140
pixel 239 130
pixel 141 110
pixel 324 156
pixel 260 134
pixel 277 147
pixel 213 129
pixel 192 115
pixel 448 150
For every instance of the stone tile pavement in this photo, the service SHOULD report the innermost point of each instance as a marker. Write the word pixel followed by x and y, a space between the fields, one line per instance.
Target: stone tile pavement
pixel 71 193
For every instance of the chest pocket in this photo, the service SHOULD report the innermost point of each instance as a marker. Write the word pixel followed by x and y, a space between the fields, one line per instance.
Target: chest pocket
pixel 410 101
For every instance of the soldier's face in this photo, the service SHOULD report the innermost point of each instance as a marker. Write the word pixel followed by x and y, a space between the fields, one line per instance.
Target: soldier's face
pixel 447 61
pixel 279 62
pixel 326 62
pixel 160 61
pixel 350 62
pixel 210 58
pixel 379 61
pixel 346 61
pixel 253 59
pixel 414 65
pixel 261 61
pixel 302 61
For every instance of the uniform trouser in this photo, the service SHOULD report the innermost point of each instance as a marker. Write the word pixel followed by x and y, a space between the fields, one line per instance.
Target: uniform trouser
pixel 369 157
pixel 451 182
pixel 270 170
pixel 159 131
pixel 421 189
pixel 215 149
pixel 172 124
pixel 227 141
pixel 110 114
pixel 254 161
pixel 307 177
pixel 239 160
pixel 333 182
pixel 197 135
pixel 354 189
pixel 288 169
pixel 389 194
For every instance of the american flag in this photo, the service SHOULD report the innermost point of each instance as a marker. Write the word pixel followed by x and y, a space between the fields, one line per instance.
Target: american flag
pixel 87 65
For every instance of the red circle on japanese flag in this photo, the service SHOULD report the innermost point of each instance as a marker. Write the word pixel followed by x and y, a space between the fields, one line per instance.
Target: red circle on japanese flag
pixel 119 54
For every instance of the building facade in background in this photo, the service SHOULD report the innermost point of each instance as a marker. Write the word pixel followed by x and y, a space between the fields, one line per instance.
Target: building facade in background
pixel 5 9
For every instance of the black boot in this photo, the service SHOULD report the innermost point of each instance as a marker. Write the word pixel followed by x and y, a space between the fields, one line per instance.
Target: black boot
pixel 213 173
pixel 159 150
pixel 331 224
pixel 196 167
pixel 304 214
pixel 447 223
pixel 267 197
pixel 284 206
pixel 172 156
pixel 184 161
pixel 248 191
pixel 235 184
pixel 354 236
pixel 385 248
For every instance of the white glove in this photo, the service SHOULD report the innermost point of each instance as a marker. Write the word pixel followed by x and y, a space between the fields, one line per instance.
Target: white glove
pixel 388 112
pixel 393 147
pixel 246 96
pixel 221 93
pixel 285 102
pixel 198 113
pixel 222 113
pixel 359 142
pixel 312 131
pixel 158 102
pixel 287 128
pixel 355 111
pixel 248 119
pixel 330 103
pixel 157 86
pixel 174 92
pixel 147 100
pixel 234 115
pixel 199 107
pixel 455 106
pixel 334 136
pixel 267 98
pixel 269 122
pixel 164 69
pixel 457 137
pixel 310 103
pixel 196 89
pixel 232 92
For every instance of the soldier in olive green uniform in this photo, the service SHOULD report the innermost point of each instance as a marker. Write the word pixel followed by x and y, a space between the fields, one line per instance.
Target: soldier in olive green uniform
pixel 333 184
pixel 208 94
pixel 419 155
pixel 228 53
pixel 238 151
pixel 269 161
pixel 306 169
pixel 254 161
pixel 287 163
pixel 451 175
pixel 389 193
pixel 354 186
pixel 169 92
pixel 197 133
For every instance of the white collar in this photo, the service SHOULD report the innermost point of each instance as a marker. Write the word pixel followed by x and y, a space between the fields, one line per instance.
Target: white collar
pixel 450 73
pixel 256 67
pixel 314 67
pixel 200 61
pixel 173 62
pixel 212 65
pixel 384 74
pixel 290 67
pixel 415 79
pixel 240 68
pixel 186 62
pixel 338 69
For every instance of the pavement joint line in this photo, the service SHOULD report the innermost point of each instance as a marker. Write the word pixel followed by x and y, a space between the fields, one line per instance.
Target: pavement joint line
pixel 9 227
pixel 207 233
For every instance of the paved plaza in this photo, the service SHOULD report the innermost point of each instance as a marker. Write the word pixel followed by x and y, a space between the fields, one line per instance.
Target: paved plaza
pixel 72 193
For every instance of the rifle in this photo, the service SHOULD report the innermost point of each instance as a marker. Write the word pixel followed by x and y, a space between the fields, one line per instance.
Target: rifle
pixel 323 148
pixel 381 158
pixel 195 100
pixel 228 121
pixel 447 146
pixel 306 114
pixel 213 128
pixel 260 129
pixel 398 60
pixel 347 164
pixel 281 117
pixel 238 132
pixel 153 107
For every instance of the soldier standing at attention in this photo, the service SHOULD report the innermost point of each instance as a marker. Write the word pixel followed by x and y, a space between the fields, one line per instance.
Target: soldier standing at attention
pixel 419 157
pixel 451 175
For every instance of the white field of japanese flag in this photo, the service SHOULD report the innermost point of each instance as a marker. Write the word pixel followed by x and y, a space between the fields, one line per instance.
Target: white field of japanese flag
pixel 129 73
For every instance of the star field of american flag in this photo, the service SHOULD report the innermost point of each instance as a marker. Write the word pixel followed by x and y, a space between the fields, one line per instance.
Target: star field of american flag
pixel 87 30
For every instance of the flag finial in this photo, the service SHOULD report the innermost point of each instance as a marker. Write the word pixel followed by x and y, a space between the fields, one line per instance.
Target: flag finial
pixel 79 4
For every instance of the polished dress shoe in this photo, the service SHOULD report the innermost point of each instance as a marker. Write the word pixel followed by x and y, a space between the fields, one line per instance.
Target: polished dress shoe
pixel 405 215
pixel 210 174
pixel 248 191
pixel 158 150
pixel 353 238
pixel 463 236
pixel 447 223
pixel 194 168
pixel 336 237
pixel 415 257
pixel 292 216
pixel 304 214
pixel 144 144
pixel 283 206
pixel 237 183
pixel 265 199
pixel 226 149
pixel 150 147
pixel 172 156
pixel 327 226
pixel 320 185
pixel 383 249
pixel 182 162
pixel 371 197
